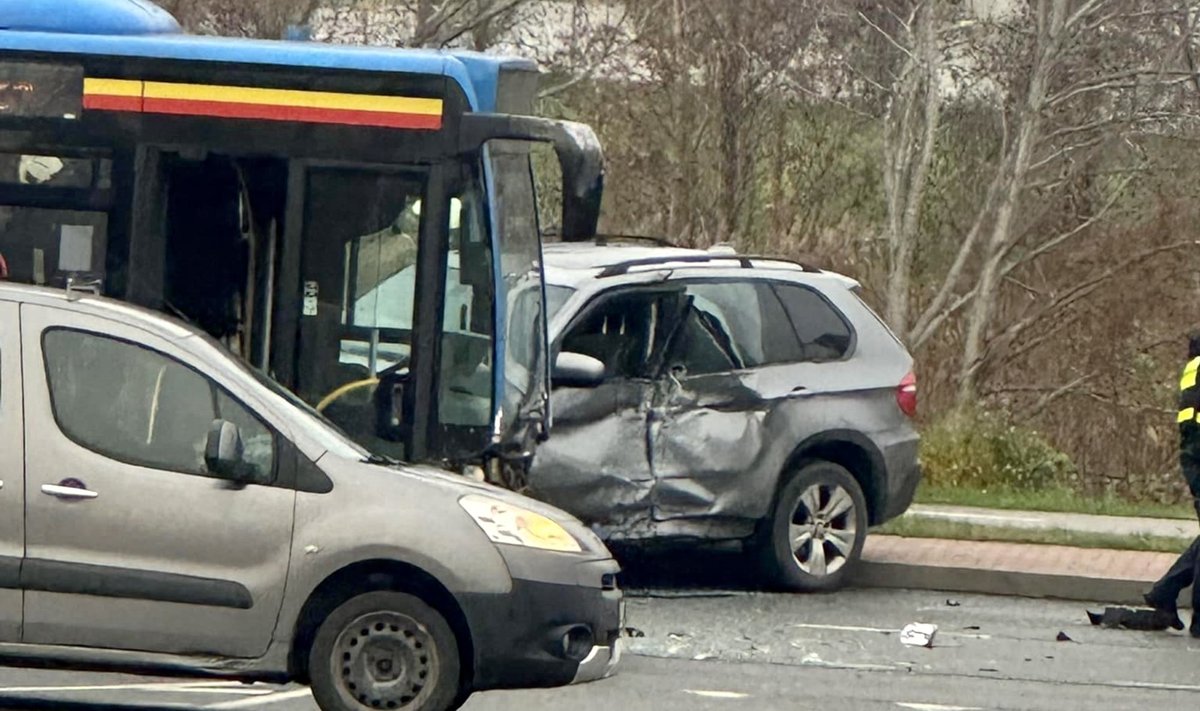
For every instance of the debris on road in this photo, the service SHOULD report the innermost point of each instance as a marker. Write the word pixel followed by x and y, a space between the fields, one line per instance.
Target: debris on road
pixel 918 634
pixel 1062 637
pixel 634 632
pixel 953 603
pixel 1142 620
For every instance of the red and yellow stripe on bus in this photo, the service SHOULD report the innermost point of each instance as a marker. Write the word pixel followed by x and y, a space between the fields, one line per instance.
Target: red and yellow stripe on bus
pixel 262 104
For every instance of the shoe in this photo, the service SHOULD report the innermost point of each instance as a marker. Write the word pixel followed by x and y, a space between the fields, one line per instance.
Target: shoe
pixel 1194 628
pixel 1167 616
pixel 1163 618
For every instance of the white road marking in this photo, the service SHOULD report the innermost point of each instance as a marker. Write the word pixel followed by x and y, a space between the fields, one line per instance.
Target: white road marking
pixel 219 687
pixel 1151 685
pixel 882 630
pixel 936 707
pixel 716 694
pixel 263 700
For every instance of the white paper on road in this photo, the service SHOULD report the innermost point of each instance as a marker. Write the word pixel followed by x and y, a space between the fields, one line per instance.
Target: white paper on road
pixel 918 634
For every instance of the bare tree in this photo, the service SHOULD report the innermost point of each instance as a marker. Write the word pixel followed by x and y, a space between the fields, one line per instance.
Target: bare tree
pixel 911 125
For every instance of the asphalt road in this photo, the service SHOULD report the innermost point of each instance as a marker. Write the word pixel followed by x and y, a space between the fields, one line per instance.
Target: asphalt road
pixel 758 651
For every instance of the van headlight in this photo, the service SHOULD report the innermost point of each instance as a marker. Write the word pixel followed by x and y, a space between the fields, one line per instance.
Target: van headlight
pixel 513 525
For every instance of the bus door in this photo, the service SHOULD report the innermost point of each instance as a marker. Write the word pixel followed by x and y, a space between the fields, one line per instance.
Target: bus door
pixel 352 244
pixel 395 305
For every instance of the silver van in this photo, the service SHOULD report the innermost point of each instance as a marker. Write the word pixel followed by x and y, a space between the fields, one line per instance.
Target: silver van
pixel 164 508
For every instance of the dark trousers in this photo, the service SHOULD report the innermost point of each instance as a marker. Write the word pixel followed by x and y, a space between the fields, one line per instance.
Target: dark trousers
pixel 1189 461
pixel 1186 570
pixel 1183 573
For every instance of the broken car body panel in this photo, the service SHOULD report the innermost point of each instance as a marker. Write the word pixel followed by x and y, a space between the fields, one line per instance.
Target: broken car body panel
pixel 679 456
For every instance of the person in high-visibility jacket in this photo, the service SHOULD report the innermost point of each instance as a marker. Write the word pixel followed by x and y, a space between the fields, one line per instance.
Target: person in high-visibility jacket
pixel 1163 597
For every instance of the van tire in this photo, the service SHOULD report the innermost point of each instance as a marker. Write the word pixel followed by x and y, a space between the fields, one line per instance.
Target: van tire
pixel 807 550
pixel 385 650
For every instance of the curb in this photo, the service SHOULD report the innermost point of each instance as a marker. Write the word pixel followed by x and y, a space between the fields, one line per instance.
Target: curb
pixel 1023 570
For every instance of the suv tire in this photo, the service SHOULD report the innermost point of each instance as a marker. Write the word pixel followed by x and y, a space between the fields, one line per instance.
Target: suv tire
pixel 385 650
pixel 816 532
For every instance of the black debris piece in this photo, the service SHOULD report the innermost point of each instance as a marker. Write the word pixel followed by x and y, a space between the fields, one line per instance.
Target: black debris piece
pixel 953 603
pixel 1062 637
pixel 1143 620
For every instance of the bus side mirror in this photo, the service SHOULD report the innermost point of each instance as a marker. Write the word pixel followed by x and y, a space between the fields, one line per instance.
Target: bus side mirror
pixel 582 160
pixel 575 370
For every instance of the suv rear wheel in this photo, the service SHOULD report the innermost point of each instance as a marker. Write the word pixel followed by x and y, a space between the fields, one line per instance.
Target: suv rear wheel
pixel 817 530
pixel 385 650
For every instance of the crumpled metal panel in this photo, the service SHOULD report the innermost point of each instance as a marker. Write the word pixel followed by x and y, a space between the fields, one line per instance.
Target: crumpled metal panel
pixel 595 465
pixel 639 459
pixel 704 436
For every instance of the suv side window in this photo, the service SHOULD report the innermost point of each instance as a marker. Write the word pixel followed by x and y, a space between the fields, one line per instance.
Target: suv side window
pixel 138 406
pixel 823 332
pixel 622 332
pixel 722 328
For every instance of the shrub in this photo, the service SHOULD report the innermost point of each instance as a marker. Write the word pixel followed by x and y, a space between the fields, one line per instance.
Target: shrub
pixel 980 449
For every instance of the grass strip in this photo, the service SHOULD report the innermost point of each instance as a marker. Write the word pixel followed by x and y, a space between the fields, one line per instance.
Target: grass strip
pixel 1056 500
pixel 918 527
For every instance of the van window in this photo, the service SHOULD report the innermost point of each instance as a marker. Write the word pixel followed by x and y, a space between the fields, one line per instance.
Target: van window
pixel 138 406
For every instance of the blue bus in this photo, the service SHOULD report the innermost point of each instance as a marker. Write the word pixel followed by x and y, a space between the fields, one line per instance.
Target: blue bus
pixel 359 223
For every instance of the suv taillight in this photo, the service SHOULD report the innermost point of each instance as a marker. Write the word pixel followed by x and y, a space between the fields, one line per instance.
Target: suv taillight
pixel 906 395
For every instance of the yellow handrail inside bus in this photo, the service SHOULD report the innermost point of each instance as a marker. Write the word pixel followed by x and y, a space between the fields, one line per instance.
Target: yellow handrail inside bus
pixel 348 387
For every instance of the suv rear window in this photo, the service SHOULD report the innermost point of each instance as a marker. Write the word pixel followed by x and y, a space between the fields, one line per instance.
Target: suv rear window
pixel 823 332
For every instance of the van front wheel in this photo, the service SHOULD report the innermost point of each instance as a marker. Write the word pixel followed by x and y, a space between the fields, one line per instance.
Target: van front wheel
pixel 385 650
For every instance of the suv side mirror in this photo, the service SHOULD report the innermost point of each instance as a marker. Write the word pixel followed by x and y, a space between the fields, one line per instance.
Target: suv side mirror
pixel 577 371
pixel 224 452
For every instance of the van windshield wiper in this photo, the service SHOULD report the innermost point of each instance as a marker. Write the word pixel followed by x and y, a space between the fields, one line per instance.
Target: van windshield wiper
pixel 381 460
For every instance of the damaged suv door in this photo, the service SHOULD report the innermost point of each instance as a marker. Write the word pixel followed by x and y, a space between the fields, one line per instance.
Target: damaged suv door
pixel 597 461
pixel 713 404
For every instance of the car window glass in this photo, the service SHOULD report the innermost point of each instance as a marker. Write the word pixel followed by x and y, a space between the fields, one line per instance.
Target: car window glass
pixel 259 443
pixel 779 341
pixel 620 332
pixel 824 335
pixel 465 376
pixel 721 329
pixel 134 405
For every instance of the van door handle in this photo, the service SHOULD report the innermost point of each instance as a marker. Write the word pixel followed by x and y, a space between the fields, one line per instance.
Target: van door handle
pixel 67 492
pixel 800 391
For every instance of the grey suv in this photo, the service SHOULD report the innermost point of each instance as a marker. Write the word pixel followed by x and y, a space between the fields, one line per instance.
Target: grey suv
pixel 165 508
pixel 739 399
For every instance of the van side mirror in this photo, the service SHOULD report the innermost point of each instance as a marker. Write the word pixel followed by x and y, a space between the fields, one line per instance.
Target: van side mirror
pixel 575 370
pixel 224 452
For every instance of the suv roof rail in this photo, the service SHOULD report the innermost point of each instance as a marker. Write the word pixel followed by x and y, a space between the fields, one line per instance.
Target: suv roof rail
pixel 745 261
